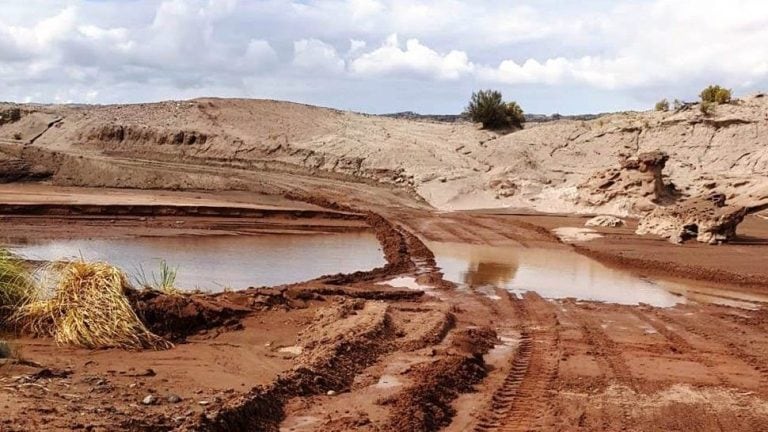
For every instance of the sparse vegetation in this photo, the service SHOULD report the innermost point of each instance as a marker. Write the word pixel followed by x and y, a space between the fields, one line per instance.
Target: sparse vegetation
pixel 715 94
pixel 677 104
pixel 87 307
pixel 662 105
pixel 163 281
pixel 17 136
pixel 488 107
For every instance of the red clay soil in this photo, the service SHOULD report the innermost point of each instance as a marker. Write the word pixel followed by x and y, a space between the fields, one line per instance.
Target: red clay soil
pixel 349 352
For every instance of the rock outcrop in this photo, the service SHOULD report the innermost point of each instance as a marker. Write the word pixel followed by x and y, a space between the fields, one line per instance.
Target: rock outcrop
pixel 637 180
pixel 148 136
pixel 708 220
pixel 604 221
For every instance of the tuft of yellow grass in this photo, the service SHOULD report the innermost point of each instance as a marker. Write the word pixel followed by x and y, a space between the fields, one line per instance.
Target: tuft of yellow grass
pixel 17 285
pixel 87 307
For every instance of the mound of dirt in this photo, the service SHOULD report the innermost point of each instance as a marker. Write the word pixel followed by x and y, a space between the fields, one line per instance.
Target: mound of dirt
pixel 708 220
pixel 426 406
pixel 175 317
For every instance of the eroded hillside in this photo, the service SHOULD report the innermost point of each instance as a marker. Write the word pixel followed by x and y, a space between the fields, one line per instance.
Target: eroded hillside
pixel 452 166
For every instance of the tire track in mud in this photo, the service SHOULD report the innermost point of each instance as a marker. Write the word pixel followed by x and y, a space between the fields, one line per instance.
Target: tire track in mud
pixel 523 398
pixel 719 337
pixel 604 349
pixel 679 344
pixel 608 356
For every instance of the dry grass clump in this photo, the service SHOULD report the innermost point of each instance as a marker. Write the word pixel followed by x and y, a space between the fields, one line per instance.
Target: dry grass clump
pixel 87 307
pixel 17 286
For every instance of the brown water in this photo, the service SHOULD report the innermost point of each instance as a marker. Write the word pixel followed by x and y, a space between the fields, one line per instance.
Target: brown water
pixel 557 273
pixel 214 263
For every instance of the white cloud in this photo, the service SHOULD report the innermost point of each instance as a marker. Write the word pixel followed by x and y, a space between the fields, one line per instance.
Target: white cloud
pixel 355 46
pixel 415 60
pixel 662 44
pixel 316 56
pixel 313 50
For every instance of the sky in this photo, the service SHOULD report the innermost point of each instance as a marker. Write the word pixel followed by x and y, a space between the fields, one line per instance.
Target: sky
pixel 381 56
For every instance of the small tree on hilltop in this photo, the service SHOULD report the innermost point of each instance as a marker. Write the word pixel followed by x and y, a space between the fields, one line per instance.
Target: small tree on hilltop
pixel 488 107
pixel 716 94
pixel 662 105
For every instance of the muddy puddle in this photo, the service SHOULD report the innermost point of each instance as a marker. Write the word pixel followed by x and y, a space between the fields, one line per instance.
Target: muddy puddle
pixel 215 263
pixel 558 274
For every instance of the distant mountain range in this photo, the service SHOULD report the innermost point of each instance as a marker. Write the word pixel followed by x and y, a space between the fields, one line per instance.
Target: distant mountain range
pixel 451 118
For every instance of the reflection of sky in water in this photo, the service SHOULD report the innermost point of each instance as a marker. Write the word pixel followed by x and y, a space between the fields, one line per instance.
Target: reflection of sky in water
pixel 215 262
pixel 551 273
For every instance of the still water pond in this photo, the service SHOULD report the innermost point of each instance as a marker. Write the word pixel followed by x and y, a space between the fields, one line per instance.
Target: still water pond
pixel 564 274
pixel 213 263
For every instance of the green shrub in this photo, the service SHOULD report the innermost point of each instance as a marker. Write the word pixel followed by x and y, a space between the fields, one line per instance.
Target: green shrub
pixel 488 107
pixel 715 94
pixel 662 105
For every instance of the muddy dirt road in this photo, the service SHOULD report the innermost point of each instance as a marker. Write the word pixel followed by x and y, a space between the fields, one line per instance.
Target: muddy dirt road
pixel 411 345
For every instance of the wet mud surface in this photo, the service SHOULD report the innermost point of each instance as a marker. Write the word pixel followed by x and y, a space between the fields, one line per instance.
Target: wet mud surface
pixel 405 347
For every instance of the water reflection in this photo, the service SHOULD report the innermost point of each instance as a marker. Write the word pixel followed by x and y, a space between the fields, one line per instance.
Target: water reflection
pixel 217 262
pixel 481 274
pixel 553 273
